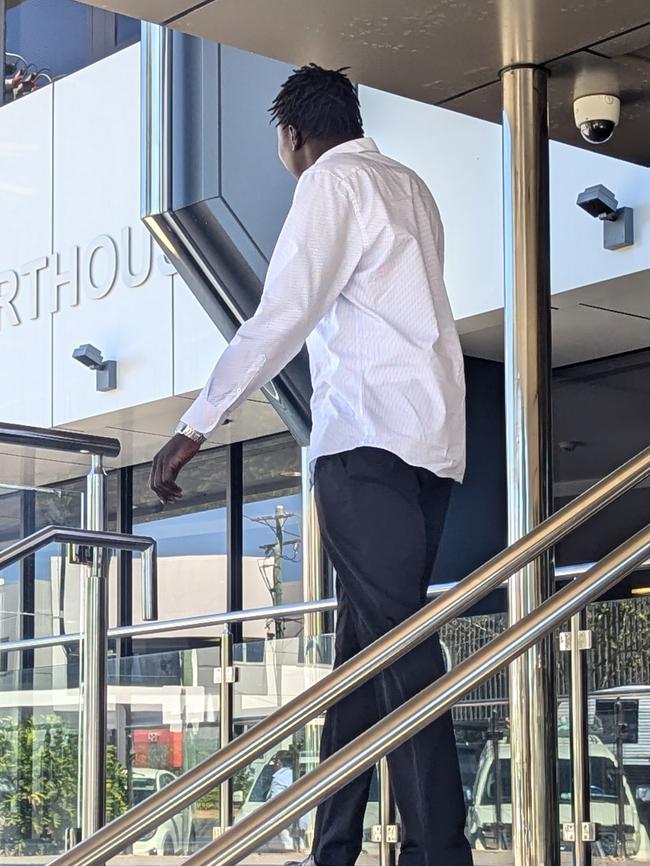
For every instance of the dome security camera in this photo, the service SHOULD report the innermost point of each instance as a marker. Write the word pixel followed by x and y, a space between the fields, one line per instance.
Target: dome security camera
pixel 597 116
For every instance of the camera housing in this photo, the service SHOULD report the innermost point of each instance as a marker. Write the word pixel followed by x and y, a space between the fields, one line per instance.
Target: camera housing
pixel 618 222
pixel 599 202
pixel 89 356
pixel 106 371
pixel 597 116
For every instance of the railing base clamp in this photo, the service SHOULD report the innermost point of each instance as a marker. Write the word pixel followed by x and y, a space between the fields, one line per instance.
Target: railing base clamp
pixel 588 832
pixel 232 675
pixel 389 833
pixel 585 641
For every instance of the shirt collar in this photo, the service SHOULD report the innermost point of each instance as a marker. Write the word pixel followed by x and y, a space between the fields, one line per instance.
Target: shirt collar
pixel 355 145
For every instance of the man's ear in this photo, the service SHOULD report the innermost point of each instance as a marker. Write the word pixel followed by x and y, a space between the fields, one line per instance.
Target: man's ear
pixel 296 138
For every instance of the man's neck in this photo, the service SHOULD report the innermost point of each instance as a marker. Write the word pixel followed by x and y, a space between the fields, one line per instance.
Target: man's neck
pixel 315 148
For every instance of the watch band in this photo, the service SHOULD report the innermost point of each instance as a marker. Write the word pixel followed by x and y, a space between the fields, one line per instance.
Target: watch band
pixel 185 430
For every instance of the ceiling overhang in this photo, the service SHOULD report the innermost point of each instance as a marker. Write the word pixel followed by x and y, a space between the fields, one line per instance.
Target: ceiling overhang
pixel 446 52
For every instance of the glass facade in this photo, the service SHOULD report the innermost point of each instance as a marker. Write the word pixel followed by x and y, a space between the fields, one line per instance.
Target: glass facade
pixel 272 532
pixel 201 567
pixel 47 39
pixel 618 717
pixel 191 536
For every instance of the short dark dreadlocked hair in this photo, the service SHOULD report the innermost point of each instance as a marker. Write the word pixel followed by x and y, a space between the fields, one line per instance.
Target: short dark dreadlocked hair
pixel 320 103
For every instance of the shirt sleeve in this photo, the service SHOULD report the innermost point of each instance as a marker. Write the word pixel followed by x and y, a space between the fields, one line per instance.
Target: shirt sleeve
pixel 319 248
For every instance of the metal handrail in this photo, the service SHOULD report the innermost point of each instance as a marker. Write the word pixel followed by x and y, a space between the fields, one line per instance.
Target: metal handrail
pixel 406 721
pixel 21 435
pixel 220 618
pixel 251 614
pixel 344 679
pixel 90 538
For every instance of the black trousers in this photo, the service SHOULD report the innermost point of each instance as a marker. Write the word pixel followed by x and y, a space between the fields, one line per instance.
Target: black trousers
pixel 381 522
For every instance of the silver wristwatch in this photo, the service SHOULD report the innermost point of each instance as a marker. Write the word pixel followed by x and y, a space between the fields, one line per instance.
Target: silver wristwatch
pixel 185 430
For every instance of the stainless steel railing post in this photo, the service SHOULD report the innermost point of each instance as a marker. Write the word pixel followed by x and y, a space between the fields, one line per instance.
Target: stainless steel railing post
pixel 579 744
pixel 621 851
pixel 149 584
pixel 386 816
pixel 94 649
pixel 225 723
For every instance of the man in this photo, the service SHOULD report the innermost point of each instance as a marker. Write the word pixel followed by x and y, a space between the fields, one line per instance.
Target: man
pixel 280 780
pixel 282 775
pixel 358 273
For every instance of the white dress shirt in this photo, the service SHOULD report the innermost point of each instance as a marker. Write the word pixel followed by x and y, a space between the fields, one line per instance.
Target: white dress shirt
pixel 357 272
pixel 280 781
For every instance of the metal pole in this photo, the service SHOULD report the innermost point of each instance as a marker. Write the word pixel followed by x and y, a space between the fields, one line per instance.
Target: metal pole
pixel 94 649
pixel 620 790
pixel 386 815
pixel 535 817
pixel 235 533
pixel 149 584
pixel 495 736
pixel 280 518
pixel 225 724
pixel 579 744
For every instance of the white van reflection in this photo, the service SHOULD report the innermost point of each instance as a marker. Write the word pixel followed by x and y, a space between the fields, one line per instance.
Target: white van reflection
pixel 175 835
pixel 489 822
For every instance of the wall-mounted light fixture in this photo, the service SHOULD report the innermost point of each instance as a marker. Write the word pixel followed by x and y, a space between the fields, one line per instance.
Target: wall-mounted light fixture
pixel 92 358
pixel 618 222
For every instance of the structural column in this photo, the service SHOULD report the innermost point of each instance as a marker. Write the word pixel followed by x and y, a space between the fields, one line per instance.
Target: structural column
pixel 535 821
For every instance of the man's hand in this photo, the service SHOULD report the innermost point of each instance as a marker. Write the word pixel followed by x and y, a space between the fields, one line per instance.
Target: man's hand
pixel 167 463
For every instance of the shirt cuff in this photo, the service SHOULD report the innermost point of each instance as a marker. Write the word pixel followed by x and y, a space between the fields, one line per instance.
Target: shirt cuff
pixel 203 416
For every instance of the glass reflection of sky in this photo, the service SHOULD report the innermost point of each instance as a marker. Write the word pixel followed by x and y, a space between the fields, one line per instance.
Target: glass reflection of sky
pixel 201 533
pixel 204 532
pixel 257 536
pixel 11 574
